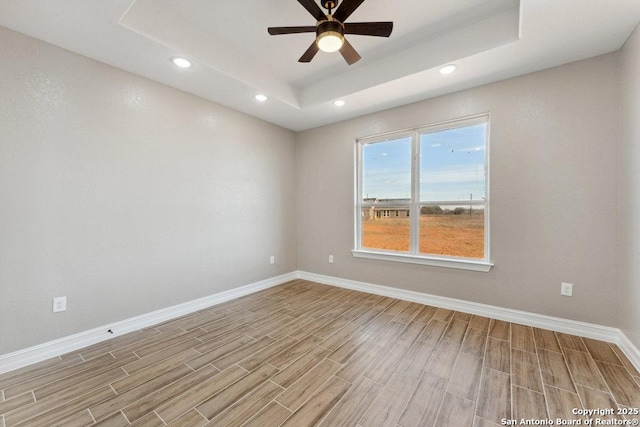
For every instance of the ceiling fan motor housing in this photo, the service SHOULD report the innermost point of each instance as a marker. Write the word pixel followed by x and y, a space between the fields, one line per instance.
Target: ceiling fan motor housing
pixel 330 26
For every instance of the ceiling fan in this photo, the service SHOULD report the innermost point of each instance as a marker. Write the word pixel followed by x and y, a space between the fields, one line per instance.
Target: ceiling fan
pixel 330 29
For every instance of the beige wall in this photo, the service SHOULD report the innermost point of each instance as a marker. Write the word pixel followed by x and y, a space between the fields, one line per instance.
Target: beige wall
pixel 127 196
pixel 629 190
pixel 553 154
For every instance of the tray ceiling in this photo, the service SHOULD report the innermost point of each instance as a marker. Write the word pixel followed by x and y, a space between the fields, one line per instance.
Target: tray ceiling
pixel 234 58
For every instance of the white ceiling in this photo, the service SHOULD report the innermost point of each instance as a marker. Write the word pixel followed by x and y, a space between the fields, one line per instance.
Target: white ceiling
pixel 234 57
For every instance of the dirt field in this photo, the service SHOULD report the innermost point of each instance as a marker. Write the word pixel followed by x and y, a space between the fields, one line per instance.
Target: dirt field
pixel 453 235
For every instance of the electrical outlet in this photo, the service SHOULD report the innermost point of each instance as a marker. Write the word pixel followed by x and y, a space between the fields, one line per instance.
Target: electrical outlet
pixel 272 259
pixel 330 259
pixel 59 304
pixel 566 289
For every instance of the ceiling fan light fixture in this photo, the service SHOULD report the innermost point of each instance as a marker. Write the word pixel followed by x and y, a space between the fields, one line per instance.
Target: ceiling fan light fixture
pixel 330 36
pixel 330 41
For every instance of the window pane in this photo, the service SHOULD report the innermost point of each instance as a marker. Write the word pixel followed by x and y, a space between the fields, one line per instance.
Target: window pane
pixel 386 170
pixel 452 164
pixel 385 228
pixel 452 231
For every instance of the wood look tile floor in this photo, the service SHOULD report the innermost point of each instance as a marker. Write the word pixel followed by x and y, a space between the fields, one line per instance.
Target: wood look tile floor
pixel 308 354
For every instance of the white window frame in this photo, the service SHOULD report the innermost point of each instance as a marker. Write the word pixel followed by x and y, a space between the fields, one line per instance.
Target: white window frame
pixel 414 205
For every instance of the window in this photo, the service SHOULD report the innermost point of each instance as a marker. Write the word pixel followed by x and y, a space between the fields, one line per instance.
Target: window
pixel 434 182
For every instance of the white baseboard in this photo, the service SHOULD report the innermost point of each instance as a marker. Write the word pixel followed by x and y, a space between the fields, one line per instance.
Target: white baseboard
pixel 38 353
pixel 583 329
pixel 28 356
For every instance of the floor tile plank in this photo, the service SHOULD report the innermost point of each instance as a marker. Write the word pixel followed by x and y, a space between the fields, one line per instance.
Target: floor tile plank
pixel 308 384
pixel 386 363
pixel 465 378
pixel 526 370
pixel 16 402
pixel 210 408
pixel 624 389
pixel 273 414
pixel 258 358
pixel 441 361
pixel 219 351
pixel 480 322
pixel 190 418
pixel 414 361
pixel 79 419
pixel 424 404
pixel 425 314
pixel 49 378
pixel 115 404
pixel 294 352
pixel 528 404
pixel 494 401
pixel 433 331
pixel 601 351
pixel 455 412
pixel 498 355
pixel 115 420
pixel 561 403
pixel 352 406
pixel 571 342
pixel 145 375
pixel 300 367
pixel 546 340
pixel 595 399
pixel 583 369
pixel 387 407
pixel 456 331
pixel 156 398
pixel 500 329
pixel 554 370
pixel 242 353
pixel 474 342
pixel 360 362
pixel 58 414
pixel 316 408
pixel 248 406
pixel 199 393
pixel 522 338
pixel 149 420
pixel 30 372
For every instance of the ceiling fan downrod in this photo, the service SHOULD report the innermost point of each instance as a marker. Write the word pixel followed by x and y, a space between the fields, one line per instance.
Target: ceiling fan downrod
pixel 329 4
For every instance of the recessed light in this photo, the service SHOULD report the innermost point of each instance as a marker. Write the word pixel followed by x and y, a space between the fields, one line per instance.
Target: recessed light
pixel 448 69
pixel 339 102
pixel 181 62
pixel 260 97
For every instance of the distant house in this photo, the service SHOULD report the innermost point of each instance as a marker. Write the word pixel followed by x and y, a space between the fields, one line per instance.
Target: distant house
pixel 386 211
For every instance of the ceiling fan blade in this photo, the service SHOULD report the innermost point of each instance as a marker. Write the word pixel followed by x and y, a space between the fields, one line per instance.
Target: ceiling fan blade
pixel 346 9
pixel 274 31
pixel 349 53
pixel 313 8
pixel 310 53
pixel 378 29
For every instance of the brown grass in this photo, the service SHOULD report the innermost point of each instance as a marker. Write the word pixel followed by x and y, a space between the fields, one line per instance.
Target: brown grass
pixel 451 235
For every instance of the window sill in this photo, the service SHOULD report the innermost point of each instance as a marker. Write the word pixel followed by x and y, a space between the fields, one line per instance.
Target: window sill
pixel 461 264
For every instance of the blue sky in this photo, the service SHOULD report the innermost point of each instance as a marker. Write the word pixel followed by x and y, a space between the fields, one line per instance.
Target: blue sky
pixel 451 166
